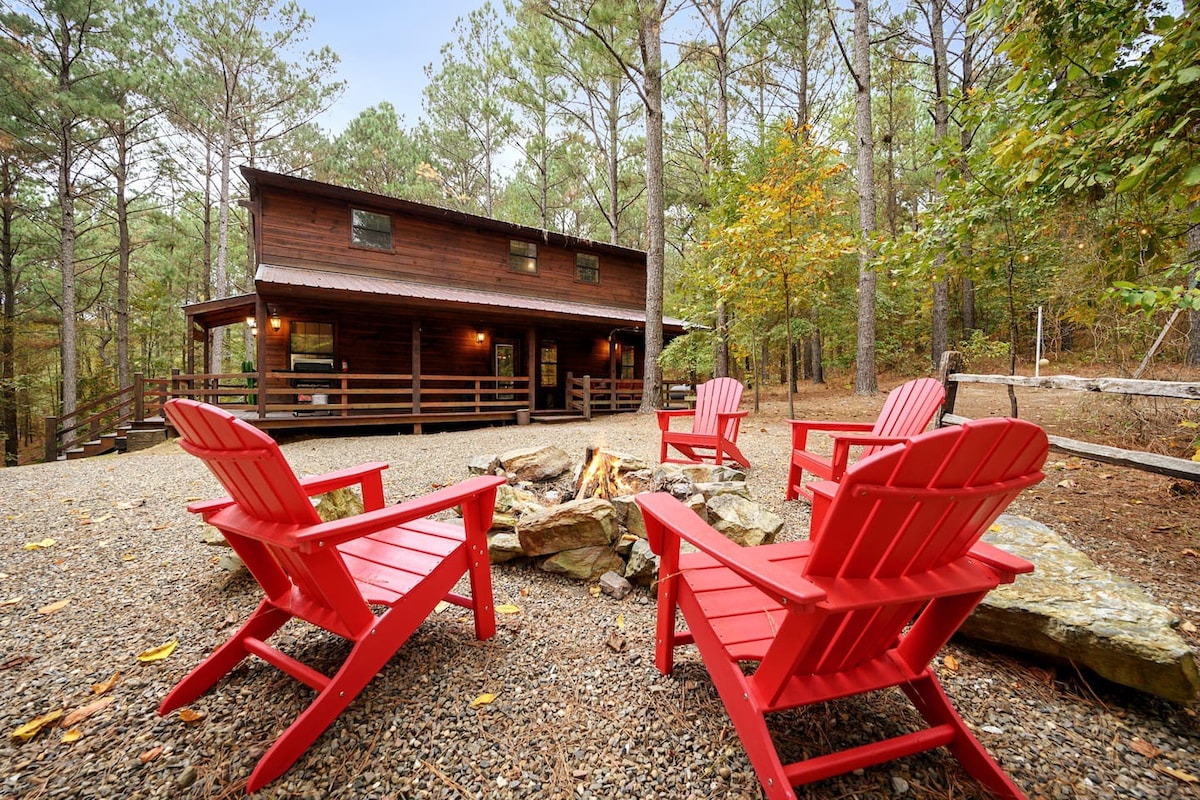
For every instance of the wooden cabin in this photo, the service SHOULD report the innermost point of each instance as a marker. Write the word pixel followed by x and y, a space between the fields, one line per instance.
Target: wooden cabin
pixel 371 307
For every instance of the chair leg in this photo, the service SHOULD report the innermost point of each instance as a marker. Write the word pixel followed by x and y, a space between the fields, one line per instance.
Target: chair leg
pixel 265 620
pixel 738 697
pixel 793 481
pixel 931 701
pixel 366 658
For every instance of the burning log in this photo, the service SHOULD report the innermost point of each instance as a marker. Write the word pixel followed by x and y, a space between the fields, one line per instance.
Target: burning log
pixel 601 476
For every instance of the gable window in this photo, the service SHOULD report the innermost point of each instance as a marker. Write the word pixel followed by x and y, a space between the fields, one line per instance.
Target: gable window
pixel 522 257
pixel 368 229
pixel 587 268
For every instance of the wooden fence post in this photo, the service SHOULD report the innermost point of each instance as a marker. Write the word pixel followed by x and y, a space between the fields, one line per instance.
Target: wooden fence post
pixel 587 396
pixel 952 362
pixel 51 439
pixel 139 397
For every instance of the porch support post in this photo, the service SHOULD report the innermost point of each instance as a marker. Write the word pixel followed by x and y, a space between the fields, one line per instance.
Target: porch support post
pixel 416 371
pixel 531 366
pixel 587 396
pixel 260 351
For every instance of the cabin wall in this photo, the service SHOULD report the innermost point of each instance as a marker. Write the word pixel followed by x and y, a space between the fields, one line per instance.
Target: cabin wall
pixel 310 231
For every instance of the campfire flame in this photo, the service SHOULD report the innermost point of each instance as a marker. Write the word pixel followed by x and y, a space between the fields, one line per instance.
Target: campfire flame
pixel 601 477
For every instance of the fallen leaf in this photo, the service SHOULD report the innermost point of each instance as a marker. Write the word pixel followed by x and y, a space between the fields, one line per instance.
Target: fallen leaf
pixel 55 607
pixel 1067 484
pixel 105 518
pixel 617 643
pixel 80 714
pixel 190 715
pixel 1178 774
pixel 12 601
pixel 130 504
pixel 17 661
pixel 1187 627
pixel 44 543
pixel 523 591
pixel 73 735
pixel 129 557
pixel 507 608
pixel 161 527
pixel 594 591
pixel 621 621
pixel 483 699
pixel 1145 748
pixel 158 653
pixel 101 688
pixel 951 663
pixel 151 754
pixel 995 528
pixel 30 729
pixel 1187 551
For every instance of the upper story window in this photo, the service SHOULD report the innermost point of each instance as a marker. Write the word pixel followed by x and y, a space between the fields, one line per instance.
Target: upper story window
pixel 587 268
pixel 522 257
pixel 368 229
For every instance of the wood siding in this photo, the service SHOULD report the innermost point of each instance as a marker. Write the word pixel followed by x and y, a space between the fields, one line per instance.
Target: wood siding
pixel 312 231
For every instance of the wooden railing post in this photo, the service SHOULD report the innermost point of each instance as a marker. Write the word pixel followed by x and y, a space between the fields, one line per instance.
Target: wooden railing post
pixel 51 439
pixel 139 397
pixel 175 385
pixel 587 396
pixel 952 362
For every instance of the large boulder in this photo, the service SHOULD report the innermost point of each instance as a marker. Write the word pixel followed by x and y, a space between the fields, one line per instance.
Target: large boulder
pixel 629 515
pixel 536 463
pixel 642 569
pixel 1072 610
pixel 743 521
pixel 584 563
pixel 579 523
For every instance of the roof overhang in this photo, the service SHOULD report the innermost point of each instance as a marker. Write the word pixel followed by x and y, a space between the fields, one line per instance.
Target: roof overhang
pixel 308 283
pixel 226 311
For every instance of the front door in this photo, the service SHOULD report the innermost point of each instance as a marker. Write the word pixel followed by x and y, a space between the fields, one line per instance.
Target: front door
pixel 549 394
pixel 504 357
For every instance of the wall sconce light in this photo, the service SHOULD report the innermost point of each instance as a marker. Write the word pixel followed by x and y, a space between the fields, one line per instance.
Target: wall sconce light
pixel 478 337
pixel 251 323
pixel 276 322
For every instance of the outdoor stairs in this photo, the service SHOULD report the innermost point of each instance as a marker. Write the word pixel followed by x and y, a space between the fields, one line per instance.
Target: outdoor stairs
pixel 553 416
pixel 117 440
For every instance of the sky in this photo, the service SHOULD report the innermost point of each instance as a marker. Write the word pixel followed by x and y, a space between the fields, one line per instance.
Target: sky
pixel 383 48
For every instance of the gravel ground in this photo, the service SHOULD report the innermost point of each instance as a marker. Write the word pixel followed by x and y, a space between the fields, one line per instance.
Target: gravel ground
pixel 572 716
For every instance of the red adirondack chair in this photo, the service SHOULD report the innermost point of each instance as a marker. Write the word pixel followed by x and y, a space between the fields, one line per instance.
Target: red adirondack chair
pixel 906 412
pixel 830 617
pixel 715 422
pixel 328 574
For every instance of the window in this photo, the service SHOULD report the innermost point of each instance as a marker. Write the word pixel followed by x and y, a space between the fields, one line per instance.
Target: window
pixel 506 367
pixel 549 365
pixel 587 268
pixel 627 364
pixel 311 339
pixel 368 229
pixel 522 257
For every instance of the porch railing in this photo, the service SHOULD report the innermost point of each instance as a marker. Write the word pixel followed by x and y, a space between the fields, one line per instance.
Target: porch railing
pixel 589 395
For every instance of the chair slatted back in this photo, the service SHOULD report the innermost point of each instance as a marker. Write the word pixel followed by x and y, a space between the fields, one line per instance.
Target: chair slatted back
pixel 252 469
pixel 907 410
pixel 721 395
pixel 908 510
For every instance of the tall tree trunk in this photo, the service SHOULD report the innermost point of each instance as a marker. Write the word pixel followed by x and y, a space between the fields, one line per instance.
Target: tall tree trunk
pixel 124 247
pixel 865 381
pixel 965 137
pixel 614 161
pixel 940 321
pixel 220 276
pixel 66 202
pixel 8 389
pixel 1193 246
pixel 649 35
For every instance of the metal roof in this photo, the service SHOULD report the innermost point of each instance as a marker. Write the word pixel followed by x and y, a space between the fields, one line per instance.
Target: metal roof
pixel 426 293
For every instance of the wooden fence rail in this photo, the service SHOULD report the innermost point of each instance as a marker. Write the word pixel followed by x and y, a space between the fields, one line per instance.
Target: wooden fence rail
pixel 1181 468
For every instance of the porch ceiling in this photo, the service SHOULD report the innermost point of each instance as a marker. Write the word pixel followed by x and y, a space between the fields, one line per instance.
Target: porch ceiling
pixel 304 282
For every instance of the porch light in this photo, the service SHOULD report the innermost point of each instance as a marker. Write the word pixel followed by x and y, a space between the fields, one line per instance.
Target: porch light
pixel 251 323
pixel 276 322
pixel 478 337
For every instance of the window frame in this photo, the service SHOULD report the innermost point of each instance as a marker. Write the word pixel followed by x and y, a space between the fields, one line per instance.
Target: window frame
pixel 522 256
pixel 594 268
pixel 361 245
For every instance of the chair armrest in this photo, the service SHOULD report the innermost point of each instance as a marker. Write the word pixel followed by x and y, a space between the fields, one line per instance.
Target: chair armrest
pixel 310 538
pixel 318 484
pixel 842 444
pixel 801 427
pixel 1000 560
pixel 663 416
pixel 677 521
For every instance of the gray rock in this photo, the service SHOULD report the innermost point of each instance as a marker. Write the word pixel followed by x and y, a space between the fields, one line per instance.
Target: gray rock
pixel 584 563
pixel 1072 610
pixel 642 568
pixel 615 586
pixel 698 505
pixel 483 464
pixel 579 523
pixel 535 463
pixel 504 547
pixel 629 516
pixel 742 521
pixel 711 490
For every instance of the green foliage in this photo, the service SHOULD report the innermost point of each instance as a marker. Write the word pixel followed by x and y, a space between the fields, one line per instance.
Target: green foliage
pixel 980 349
